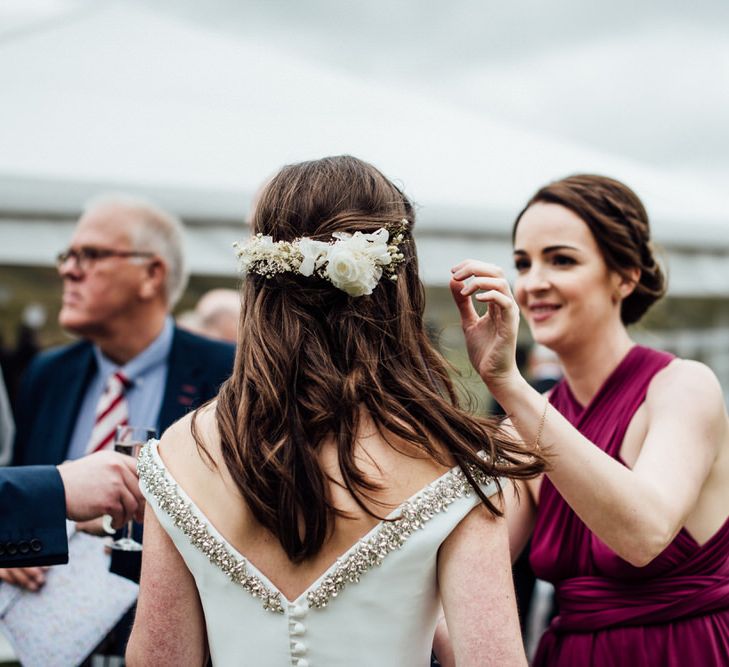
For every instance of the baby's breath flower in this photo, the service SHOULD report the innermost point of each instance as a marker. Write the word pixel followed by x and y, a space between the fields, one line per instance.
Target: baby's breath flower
pixel 353 263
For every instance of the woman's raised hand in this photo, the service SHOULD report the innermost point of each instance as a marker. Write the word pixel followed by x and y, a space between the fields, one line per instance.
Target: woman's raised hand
pixel 491 337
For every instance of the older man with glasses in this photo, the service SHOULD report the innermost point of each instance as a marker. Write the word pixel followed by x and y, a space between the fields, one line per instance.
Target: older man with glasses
pixel 122 274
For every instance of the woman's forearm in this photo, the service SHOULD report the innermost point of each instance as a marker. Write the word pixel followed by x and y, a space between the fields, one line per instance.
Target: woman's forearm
pixel 623 510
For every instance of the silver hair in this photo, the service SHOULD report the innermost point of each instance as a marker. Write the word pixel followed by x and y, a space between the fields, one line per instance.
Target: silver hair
pixel 155 231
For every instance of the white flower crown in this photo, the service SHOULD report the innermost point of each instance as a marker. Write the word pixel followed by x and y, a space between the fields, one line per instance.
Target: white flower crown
pixel 353 263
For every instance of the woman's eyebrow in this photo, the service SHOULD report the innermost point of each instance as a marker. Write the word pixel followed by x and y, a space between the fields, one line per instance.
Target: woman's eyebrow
pixel 555 248
pixel 548 249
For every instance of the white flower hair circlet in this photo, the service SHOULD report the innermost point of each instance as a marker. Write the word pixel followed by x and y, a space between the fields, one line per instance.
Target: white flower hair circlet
pixel 353 263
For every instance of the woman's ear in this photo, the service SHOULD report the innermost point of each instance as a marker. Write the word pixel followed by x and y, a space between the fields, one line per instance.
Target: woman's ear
pixel 624 285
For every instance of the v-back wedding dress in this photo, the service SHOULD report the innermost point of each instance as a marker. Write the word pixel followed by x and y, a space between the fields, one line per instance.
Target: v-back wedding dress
pixel 376 605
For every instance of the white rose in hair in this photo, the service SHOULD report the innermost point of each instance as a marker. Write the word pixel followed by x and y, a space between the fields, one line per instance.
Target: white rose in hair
pixel 314 254
pixel 373 245
pixel 351 262
pixel 351 271
pixel 377 247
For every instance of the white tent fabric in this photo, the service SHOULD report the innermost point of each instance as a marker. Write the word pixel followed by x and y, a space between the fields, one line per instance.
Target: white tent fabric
pixel 111 96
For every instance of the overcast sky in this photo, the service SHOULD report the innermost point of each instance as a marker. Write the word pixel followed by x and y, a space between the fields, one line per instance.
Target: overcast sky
pixel 647 79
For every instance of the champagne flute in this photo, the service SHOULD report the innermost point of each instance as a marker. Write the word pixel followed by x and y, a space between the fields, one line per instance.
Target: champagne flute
pixel 129 440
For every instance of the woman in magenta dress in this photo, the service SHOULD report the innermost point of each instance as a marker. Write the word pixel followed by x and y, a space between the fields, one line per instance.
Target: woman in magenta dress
pixel 630 523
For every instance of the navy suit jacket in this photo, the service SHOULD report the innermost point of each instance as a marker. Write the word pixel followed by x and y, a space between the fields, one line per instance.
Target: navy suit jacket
pixel 54 385
pixel 32 517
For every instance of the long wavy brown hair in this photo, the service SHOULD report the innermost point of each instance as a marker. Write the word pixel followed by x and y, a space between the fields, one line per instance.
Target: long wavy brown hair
pixel 311 360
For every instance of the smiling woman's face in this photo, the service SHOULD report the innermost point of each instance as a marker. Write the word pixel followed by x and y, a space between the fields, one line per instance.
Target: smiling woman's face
pixel 564 288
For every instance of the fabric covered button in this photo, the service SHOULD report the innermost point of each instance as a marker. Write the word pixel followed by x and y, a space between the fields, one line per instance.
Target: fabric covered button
pixel 297 611
pixel 297 628
pixel 298 648
pixel 36 545
pixel 23 547
pixel 11 548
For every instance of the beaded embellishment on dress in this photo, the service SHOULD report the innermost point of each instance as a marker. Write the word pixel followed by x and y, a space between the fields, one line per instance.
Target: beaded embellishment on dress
pixel 369 552
pixel 391 535
pixel 165 490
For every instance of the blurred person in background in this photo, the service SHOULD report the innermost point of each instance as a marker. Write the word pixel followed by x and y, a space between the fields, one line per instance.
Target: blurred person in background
pixel 189 320
pixel 122 274
pixel 7 425
pixel 630 521
pixel 219 312
pixel 15 360
pixel 215 315
pixel 542 368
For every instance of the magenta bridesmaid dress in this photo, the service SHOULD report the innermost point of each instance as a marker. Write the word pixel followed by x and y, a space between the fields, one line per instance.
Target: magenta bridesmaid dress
pixel 674 612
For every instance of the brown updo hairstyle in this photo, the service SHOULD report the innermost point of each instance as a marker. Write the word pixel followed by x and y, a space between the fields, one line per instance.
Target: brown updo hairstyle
pixel 619 224
pixel 312 361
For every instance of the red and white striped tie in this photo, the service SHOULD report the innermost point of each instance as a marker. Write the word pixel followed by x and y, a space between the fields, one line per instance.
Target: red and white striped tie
pixel 111 411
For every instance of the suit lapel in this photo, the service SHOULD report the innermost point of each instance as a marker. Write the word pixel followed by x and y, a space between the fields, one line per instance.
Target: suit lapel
pixel 69 392
pixel 184 385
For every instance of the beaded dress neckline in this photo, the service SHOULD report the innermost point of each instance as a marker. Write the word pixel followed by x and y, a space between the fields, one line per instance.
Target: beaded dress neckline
pixel 368 552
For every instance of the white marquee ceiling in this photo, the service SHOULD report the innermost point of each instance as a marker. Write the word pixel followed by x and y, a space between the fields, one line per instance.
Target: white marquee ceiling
pixel 197 111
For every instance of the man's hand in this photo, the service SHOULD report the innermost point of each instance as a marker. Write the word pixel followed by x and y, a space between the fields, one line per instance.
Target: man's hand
pixel 92 527
pixel 102 483
pixel 31 578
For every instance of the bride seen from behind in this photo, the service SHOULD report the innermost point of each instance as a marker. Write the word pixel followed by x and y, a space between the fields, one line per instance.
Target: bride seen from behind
pixel 335 495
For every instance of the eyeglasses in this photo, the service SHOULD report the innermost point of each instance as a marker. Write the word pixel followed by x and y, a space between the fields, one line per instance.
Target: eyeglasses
pixel 86 256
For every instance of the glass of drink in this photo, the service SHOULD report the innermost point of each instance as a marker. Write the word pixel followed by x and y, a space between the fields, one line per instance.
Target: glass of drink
pixel 129 440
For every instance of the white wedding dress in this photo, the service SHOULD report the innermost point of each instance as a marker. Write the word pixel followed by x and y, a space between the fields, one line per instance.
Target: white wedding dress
pixel 376 606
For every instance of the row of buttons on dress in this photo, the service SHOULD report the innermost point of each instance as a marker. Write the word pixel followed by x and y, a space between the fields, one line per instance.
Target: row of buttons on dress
pixel 297 629
pixel 22 547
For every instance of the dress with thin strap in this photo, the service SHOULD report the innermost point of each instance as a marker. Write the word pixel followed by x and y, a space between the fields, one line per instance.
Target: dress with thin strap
pixel 378 604
pixel 671 613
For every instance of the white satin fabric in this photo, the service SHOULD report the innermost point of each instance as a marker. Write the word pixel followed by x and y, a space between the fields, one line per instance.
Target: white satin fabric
pixel 388 617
